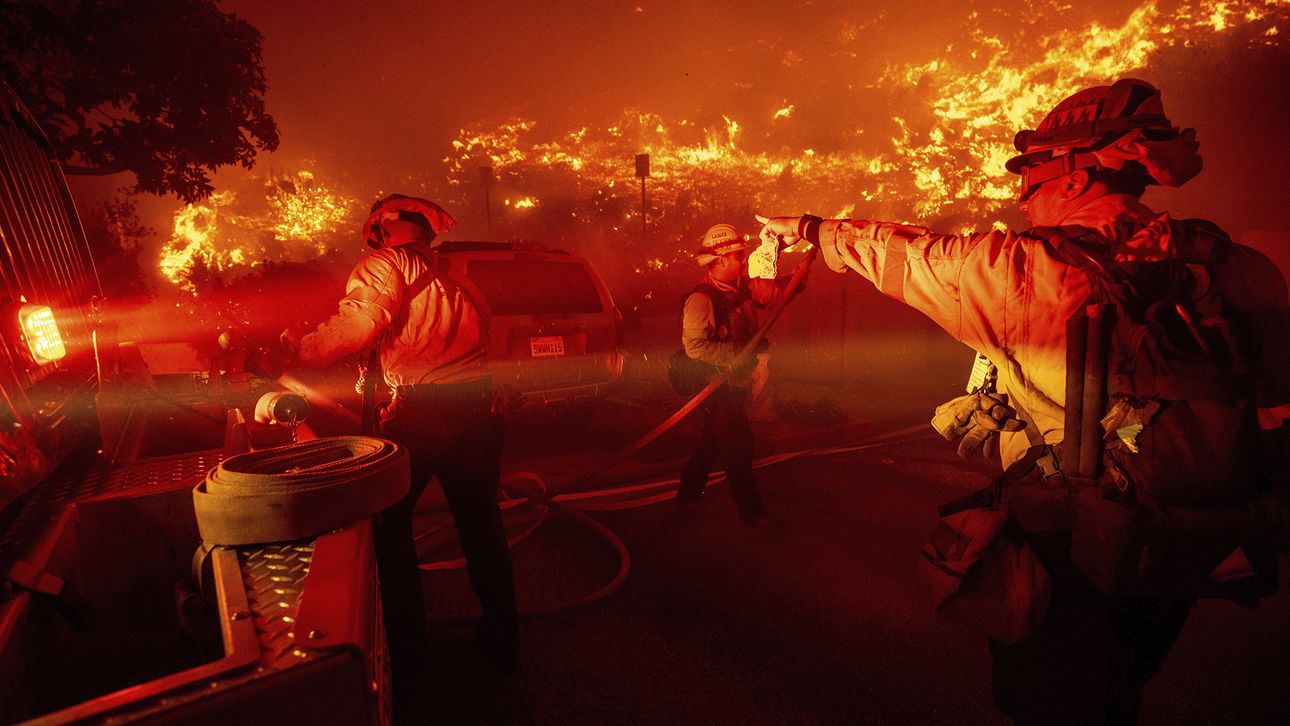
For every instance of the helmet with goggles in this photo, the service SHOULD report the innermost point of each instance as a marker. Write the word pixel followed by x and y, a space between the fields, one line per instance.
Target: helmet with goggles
pixel 1107 127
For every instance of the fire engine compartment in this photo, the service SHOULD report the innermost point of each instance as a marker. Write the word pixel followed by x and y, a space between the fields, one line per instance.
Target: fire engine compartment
pixel 108 618
pixel 121 554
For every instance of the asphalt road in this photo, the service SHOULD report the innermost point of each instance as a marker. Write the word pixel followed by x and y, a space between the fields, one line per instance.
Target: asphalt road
pixel 819 617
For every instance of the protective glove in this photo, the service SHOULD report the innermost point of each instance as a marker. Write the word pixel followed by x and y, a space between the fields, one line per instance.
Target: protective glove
pixel 290 338
pixel 976 420
pixel 266 362
pixel 749 362
pixel 779 228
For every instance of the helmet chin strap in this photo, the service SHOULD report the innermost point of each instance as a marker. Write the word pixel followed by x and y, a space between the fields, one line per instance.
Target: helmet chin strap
pixel 1033 176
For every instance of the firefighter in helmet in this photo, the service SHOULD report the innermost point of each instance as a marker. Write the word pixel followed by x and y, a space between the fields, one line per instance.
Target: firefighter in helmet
pixel 428 327
pixel 1009 295
pixel 718 318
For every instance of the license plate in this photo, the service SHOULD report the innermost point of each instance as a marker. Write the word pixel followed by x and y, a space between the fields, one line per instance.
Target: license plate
pixel 546 345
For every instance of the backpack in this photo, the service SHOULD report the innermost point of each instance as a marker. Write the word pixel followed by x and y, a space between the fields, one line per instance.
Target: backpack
pixel 1161 453
pixel 687 375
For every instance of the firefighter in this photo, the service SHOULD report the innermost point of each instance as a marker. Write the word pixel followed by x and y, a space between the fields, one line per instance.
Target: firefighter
pixel 1007 295
pixel 718 319
pixel 430 328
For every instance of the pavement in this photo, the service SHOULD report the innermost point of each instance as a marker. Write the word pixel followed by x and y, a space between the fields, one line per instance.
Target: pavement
pixel 818 616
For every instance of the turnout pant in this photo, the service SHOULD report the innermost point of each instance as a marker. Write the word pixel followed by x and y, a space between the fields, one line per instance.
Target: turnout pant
pixel 726 432
pixel 1089 660
pixel 451 433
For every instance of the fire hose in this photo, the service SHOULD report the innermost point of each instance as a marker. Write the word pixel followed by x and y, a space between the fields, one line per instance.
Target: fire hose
pixel 299 490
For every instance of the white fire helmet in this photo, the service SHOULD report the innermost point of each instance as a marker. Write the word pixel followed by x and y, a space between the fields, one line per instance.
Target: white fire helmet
pixel 720 239
pixel 1107 127
pixel 408 209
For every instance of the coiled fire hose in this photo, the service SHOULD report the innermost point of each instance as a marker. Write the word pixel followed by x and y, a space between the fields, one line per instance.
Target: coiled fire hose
pixel 299 490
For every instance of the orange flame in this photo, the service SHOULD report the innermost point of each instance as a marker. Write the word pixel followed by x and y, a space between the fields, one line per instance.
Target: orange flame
pixel 300 218
pixel 947 153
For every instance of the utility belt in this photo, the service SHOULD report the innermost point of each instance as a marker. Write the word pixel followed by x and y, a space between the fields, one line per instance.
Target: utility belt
pixel 1037 493
pixel 478 389
pixel 1129 545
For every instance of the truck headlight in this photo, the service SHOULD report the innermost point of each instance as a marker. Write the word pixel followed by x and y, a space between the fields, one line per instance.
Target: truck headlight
pixel 41 332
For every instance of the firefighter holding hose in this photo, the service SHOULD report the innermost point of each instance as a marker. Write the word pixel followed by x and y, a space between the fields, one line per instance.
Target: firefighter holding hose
pixel 427 329
pixel 1015 297
pixel 718 319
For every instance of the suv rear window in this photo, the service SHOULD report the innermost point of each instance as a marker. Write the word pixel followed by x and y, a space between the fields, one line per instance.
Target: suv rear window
pixel 535 287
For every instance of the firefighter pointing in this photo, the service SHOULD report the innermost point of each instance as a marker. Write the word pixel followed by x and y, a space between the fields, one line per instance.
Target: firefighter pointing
pixel 428 330
pixel 1171 420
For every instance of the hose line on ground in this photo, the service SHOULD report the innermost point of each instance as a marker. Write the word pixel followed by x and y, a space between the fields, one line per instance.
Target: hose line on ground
pixel 576 504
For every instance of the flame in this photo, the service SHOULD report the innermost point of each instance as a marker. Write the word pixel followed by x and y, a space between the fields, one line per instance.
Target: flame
pixel 979 108
pixel 942 150
pixel 306 211
pixel 299 219
pixel 190 243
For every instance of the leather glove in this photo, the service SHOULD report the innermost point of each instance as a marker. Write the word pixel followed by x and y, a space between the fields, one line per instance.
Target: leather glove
pixel 290 338
pixel 976 420
pixel 265 362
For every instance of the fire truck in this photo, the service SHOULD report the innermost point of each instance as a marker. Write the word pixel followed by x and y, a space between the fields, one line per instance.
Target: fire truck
pixel 106 614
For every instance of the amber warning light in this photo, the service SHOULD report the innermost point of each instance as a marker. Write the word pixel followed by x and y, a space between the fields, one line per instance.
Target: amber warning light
pixel 41 331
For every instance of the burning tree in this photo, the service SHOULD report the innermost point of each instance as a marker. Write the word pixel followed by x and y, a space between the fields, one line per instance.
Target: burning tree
pixel 297 220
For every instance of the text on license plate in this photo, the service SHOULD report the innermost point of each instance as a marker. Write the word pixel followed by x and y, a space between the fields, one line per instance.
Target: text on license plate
pixel 546 345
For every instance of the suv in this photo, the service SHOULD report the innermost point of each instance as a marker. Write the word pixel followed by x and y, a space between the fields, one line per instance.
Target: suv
pixel 556 334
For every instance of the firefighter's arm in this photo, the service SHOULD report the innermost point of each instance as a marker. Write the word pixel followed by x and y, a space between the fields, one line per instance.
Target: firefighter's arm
pixel 372 295
pixel 698 331
pixel 940 275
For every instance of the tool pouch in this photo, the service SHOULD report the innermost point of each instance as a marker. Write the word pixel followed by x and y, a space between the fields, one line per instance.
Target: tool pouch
pixel 983 573
pixel 1107 539
pixel 1130 549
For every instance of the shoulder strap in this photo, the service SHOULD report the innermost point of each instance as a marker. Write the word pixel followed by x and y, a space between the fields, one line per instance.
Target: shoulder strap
pixel 438 269
pixel 1045 455
pixel 370 364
